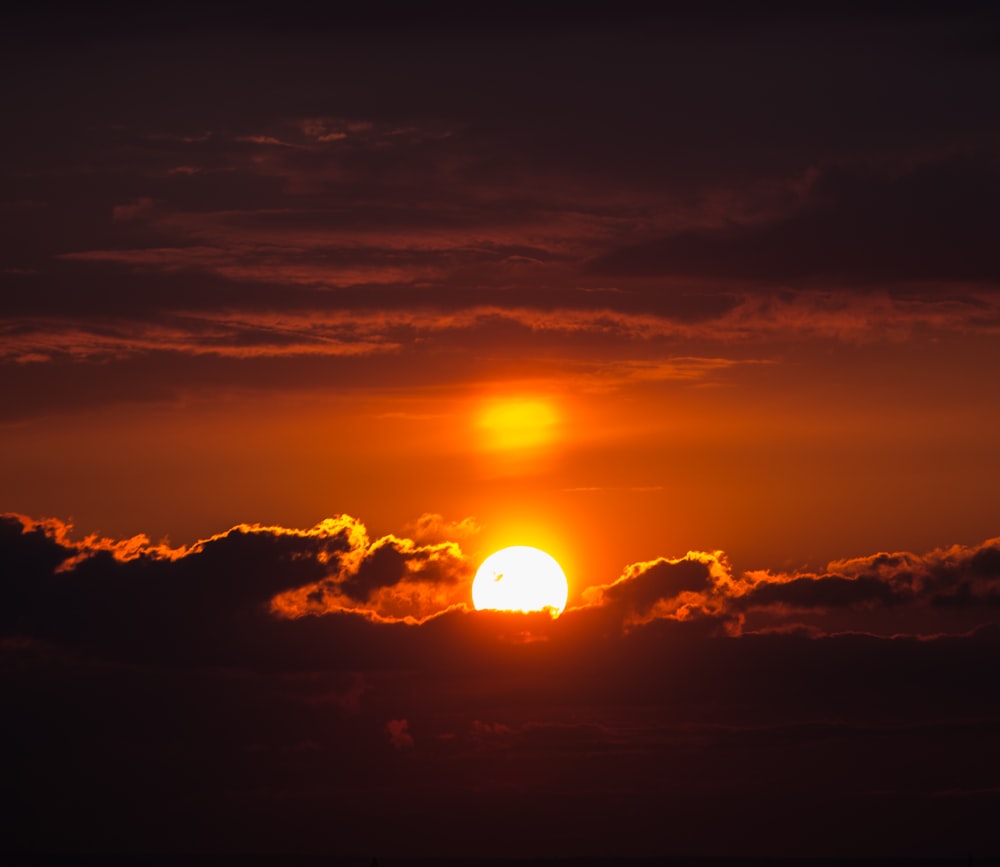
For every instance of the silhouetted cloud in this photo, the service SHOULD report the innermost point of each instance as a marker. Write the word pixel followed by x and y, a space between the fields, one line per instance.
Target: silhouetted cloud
pixel 961 577
pixel 675 589
pixel 131 596
pixel 884 593
pixel 265 672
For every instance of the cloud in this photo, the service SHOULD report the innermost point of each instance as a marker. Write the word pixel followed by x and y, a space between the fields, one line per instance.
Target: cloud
pixel 490 730
pixel 675 589
pixel 392 578
pixel 207 600
pixel 432 527
pixel 959 576
pixel 926 222
pixel 399 735
pixel 600 347
pixel 131 597
pixel 133 210
pixel 886 594
pixel 680 680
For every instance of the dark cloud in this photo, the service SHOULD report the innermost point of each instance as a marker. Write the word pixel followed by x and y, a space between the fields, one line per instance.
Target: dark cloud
pixel 251 592
pixel 925 223
pixel 823 592
pixel 131 599
pixel 661 588
pixel 966 577
pixel 884 594
pixel 448 134
pixel 151 682
pixel 399 736
pixel 384 567
pixel 154 220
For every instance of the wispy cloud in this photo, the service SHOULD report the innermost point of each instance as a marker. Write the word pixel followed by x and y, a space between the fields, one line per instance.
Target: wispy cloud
pixel 326 329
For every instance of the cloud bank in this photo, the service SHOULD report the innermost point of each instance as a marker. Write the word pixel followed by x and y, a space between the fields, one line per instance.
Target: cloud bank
pixel 320 679
pixel 103 593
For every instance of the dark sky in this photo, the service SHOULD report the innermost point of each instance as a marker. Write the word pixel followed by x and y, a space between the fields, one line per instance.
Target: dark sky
pixel 306 310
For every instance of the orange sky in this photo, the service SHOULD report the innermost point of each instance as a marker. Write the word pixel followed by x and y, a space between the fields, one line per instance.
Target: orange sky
pixel 812 450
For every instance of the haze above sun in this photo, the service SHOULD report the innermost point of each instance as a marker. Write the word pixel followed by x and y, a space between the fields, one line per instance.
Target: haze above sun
pixel 520 578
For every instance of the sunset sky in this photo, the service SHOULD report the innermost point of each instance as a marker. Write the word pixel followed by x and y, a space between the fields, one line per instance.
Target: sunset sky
pixel 305 313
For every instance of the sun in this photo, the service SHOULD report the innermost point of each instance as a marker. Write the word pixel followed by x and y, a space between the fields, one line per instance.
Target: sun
pixel 520 578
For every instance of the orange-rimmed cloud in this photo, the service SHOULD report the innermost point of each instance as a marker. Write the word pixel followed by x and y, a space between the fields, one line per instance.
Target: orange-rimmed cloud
pixel 956 578
pixel 331 567
pixel 946 589
pixel 99 591
pixel 391 579
pixel 684 588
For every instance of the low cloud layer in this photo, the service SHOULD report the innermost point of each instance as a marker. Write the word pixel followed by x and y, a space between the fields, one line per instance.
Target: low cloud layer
pixel 942 590
pixel 290 675
pixel 127 596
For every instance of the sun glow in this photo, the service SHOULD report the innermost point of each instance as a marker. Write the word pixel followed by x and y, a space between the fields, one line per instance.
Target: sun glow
pixel 515 424
pixel 520 578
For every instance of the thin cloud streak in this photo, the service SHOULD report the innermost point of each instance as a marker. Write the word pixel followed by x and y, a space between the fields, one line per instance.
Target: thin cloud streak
pixel 325 330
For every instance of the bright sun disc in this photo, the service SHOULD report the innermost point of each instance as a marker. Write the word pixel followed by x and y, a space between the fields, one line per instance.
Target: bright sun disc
pixel 520 578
